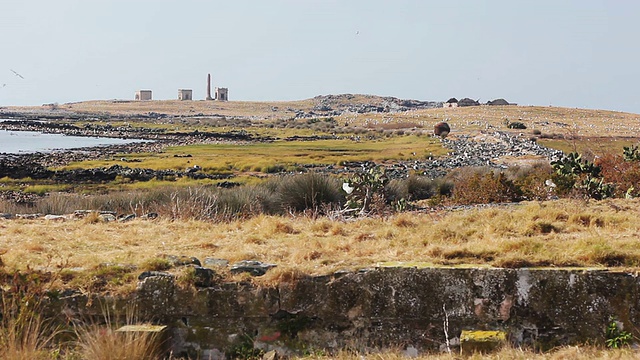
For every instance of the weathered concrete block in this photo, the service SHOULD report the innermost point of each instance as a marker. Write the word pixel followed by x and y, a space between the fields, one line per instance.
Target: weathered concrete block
pixel 481 341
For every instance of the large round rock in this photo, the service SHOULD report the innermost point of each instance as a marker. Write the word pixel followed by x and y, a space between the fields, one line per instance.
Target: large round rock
pixel 441 129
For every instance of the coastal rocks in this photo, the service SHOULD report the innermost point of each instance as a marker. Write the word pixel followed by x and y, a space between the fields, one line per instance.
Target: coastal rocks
pixel 466 151
pixel 19 168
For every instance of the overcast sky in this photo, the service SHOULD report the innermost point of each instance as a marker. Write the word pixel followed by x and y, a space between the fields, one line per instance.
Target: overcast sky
pixel 572 53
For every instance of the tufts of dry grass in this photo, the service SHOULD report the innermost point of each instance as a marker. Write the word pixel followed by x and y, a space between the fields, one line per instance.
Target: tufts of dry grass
pixel 557 234
pixel 507 353
pixel 105 343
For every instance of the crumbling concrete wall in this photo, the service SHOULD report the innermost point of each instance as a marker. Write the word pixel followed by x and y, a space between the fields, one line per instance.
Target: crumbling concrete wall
pixel 407 307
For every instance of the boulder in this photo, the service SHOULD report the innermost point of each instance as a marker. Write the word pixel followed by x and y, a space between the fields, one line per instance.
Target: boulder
pixel 441 129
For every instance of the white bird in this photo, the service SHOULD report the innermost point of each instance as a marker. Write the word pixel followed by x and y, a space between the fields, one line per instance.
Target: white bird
pixel 13 71
pixel 347 188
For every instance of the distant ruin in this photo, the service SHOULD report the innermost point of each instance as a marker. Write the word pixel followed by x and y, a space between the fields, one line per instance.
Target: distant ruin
pixel 222 94
pixel 453 102
pixel 143 95
pixel 185 94
pixel 209 87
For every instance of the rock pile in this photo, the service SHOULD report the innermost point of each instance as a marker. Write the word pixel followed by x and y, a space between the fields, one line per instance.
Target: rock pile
pixel 468 151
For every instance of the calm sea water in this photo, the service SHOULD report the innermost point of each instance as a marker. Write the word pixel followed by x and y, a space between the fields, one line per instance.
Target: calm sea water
pixel 17 142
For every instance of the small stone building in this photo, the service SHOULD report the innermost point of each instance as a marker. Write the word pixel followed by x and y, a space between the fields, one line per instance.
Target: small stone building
pixel 143 95
pixel 498 102
pixel 468 102
pixel 451 103
pixel 185 94
pixel 221 94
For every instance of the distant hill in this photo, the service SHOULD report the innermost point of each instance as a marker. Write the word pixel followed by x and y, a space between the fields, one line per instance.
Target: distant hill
pixel 359 110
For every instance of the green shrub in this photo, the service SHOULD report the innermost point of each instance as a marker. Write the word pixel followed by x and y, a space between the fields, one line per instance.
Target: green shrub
pixel 365 189
pixel 309 191
pixel 396 190
pixel 572 170
pixel 420 187
pixel 516 125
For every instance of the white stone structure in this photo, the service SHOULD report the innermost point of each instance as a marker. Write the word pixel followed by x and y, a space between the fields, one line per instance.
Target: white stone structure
pixel 143 95
pixel 185 94
pixel 222 94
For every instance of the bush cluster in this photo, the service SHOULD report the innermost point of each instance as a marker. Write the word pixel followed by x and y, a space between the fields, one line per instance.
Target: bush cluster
pixel 365 192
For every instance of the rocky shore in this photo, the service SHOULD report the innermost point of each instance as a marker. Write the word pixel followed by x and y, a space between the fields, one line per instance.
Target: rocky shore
pixel 483 149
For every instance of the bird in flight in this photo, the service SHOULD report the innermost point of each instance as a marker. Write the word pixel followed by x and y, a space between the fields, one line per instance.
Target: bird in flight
pixel 13 71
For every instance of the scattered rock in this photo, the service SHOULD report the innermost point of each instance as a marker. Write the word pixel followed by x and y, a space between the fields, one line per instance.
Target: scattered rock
pixel 255 268
pixel 28 216
pixel 213 262
pixel 181 260
pixel 51 217
pixel 205 277
pixel 147 274
pixel 149 216
pixel 108 217
pixel 125 218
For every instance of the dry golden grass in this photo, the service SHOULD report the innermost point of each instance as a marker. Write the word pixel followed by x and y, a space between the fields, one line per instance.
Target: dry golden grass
pixel 544 234
pixel 563 353
pixel 549 120
pixel 184 108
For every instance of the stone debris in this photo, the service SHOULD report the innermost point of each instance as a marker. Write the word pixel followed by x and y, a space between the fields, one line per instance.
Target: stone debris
pixel 214 262
pixel 148 274
pixel 204 277
pixel 181 260
pixel 255 268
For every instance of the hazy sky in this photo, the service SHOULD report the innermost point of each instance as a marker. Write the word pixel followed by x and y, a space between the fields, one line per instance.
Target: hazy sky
pixel 573 53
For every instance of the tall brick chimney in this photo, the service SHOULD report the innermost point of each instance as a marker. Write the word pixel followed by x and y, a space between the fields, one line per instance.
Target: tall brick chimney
pixel 209 87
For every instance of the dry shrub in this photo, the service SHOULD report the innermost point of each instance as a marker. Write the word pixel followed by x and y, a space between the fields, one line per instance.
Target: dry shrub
pixel 24 334
pixel 541 227
pixel 280 227
pixel 586 220
pixel 624 174
pixel 403 221
pixel 483 186
pixel 531 179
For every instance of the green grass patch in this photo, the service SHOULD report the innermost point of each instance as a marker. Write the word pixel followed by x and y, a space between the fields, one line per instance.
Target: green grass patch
pixel 278 155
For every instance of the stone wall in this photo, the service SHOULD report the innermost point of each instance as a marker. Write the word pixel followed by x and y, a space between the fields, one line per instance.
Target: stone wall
pixel 406 307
